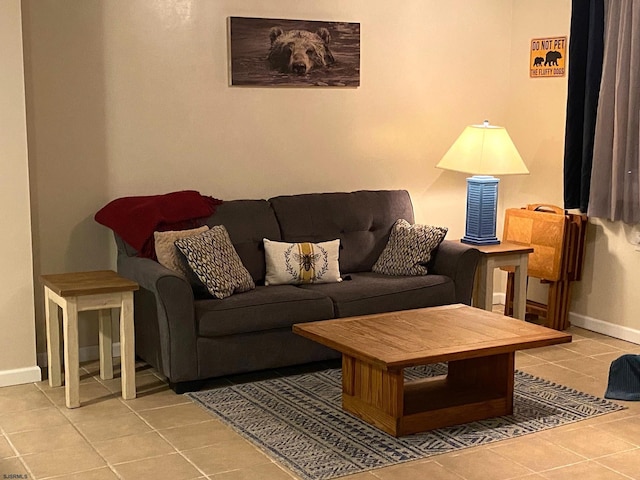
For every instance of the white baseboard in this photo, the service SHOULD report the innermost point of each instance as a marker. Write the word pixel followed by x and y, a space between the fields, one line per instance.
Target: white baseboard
pixel 599 326
pixel 86 354
pixel 19 376
pixel 34 374
pixel 605 328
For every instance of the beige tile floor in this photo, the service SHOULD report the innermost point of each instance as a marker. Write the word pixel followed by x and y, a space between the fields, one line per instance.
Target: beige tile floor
pixel 161 435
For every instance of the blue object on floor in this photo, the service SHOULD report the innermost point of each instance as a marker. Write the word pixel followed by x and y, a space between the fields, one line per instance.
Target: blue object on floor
pixel 624 378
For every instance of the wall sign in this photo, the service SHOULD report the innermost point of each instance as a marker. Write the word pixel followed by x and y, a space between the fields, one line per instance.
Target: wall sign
pixel 548 57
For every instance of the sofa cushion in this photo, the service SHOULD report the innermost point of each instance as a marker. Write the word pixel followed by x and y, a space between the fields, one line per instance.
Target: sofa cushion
pixel 306 262
pixel 248 222
pixel 213 259
pixel 169 256
pixel 369 292
pixel 264 308
pixel 409 249
pixel 361 220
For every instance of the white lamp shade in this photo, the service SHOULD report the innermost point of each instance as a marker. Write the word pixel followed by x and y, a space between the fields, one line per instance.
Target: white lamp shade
pixel 484 150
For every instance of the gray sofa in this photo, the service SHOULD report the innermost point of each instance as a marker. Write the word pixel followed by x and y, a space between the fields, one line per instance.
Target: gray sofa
pixel 189 338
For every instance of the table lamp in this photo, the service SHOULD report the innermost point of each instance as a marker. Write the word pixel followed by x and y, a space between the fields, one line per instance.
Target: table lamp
pixel 483 150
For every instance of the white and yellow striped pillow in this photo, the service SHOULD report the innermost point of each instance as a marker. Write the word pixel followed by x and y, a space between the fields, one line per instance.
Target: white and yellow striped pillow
pixel 299 263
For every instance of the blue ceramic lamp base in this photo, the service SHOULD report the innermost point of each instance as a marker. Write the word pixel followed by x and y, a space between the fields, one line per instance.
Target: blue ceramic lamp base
pixel 482 206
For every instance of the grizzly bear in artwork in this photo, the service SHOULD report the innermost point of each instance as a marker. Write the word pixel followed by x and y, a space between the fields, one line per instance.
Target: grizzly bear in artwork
pixel 299 51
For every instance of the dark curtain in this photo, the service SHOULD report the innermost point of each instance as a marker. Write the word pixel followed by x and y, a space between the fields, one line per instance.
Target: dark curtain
pixel 585 70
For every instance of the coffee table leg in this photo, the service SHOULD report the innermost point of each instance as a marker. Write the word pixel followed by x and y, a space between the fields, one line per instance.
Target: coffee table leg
pixel 348 375
pixel 373 394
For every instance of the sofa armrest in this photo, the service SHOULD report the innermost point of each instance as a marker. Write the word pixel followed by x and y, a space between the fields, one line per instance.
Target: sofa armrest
pixel 164 311
pixel 457 261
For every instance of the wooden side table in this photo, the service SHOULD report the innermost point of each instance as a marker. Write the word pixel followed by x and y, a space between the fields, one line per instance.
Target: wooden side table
pixel 84 291
pixel 505 254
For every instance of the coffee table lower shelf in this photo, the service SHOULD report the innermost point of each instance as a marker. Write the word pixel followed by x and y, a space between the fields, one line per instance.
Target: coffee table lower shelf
pixel 474 389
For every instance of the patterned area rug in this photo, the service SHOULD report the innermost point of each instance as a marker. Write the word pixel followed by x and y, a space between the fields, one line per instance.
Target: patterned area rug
pixel 298 420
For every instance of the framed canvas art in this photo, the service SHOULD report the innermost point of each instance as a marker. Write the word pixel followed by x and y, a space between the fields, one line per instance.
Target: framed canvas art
pixel 306 53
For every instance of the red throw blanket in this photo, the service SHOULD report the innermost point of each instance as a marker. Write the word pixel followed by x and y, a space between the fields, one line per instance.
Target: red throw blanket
pixel 136 218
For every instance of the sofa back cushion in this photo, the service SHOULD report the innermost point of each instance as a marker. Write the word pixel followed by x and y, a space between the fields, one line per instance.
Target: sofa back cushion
pixel 361 220
pixel 248 222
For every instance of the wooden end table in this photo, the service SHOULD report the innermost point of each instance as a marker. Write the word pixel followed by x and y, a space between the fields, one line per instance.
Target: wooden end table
pixel 505 254
pixel 479 347
pixel 85 291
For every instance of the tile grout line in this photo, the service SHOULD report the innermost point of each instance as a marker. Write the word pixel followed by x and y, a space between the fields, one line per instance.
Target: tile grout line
pixel 613 470
pixel 138 414
pixel 186 458
pixel 18 454
pixel 586 461
pixel 583 460
pixel 448 470
pixel 63 475
pixel 111 466
pixel 153 429
pixel 118 396
pixel 73 424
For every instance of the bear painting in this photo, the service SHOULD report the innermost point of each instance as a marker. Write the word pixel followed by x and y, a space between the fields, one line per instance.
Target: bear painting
pixel 299 51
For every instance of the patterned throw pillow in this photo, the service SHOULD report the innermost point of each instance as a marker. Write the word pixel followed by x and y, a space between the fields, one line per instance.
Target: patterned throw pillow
pixel 409 249
pixel 216 263
pixel 297 263
pixel 169 256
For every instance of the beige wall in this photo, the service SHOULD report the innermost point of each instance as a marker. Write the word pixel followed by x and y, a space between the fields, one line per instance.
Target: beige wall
pixel 132 98
pixel 536 106
pixel 17 342
pixel 537 114
pixel 605 299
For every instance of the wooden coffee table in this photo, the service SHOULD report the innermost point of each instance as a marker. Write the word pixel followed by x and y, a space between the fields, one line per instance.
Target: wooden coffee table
pixel 478 345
